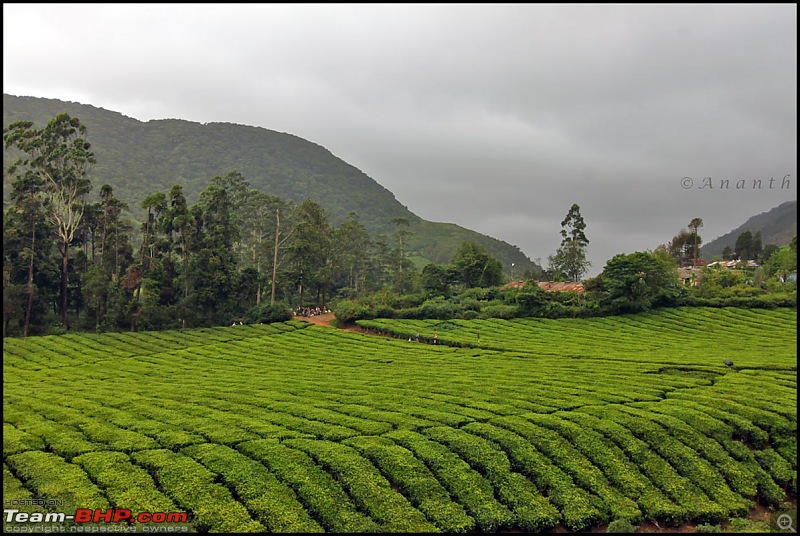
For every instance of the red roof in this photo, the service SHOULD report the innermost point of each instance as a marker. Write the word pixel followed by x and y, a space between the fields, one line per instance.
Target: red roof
pixel 548 286
pixel 560 286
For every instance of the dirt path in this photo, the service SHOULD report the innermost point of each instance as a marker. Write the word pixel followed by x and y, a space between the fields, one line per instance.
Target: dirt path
pixel 325 319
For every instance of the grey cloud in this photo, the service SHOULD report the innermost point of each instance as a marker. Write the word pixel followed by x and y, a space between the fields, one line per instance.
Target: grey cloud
pixel 510 112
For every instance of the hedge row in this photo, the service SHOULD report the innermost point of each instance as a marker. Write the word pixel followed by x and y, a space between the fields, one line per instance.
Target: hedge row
pixel 274 503
pixel 322 496
pixel 532 511
pixel 415 481
pixel 371 492
pixel 191 486
pixel 465 484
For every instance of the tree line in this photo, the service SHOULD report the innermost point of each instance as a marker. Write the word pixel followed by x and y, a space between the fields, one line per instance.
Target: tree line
pixel 241 255
pixel 238 253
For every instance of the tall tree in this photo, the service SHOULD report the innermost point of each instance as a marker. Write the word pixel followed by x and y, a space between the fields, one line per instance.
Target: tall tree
pixel 401 230
pixel 681 248
pixel 279 243
pixel 311 249
pixel 24 220
pixel 214 267
pixel 756 246
pixel 59 155
pixel 239 196
pixel 156 206
pixel 352 241
pixel 727 253
pixel 570 259
pixel 176 227
pixel 694 225
pixel 744 246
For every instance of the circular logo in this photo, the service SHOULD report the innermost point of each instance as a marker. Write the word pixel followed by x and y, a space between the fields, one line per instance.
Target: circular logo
pixel 784 522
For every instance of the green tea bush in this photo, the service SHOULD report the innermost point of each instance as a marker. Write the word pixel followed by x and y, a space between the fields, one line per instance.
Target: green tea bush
pixel 439 308
pixel 506 312
pixel 411 313
pixel 348 311
pixel 708 528
pixel 267 313
pixel 621 525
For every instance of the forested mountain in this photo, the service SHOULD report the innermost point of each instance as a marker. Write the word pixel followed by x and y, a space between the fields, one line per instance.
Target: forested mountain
pixel 777 226
pixel 140 158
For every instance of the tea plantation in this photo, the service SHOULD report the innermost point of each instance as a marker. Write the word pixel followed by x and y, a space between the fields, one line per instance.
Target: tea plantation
pixel 526 424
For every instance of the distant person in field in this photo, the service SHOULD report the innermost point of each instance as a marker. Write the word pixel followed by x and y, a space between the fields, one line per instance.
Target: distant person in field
pixel 435 338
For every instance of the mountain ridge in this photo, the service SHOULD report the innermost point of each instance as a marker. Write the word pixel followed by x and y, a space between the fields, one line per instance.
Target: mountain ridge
pixel 777 226
pixel 138 158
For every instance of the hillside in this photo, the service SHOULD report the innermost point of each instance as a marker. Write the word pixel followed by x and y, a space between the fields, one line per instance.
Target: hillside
pixel 777 226
pixel 140 158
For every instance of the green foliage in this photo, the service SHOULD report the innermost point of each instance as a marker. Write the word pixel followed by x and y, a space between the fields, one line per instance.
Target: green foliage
pixel 348 311
pixel 638 281
pixel 570 260
pixel 530 299
pixel 438 308
pixel 782 262
pixel 743 525
pixel 437 279
pixel 498 310
pixel 620 526
pixel 614 418
pixel 706 527
pixel 474 267
pixel 266 313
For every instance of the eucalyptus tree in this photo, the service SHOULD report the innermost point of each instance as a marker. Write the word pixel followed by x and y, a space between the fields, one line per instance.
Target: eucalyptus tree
pixel 402 233
pixel 694 225
pixel 156 206
pixel 681 247
pixel 352 243
pixel 212 266
pixel 570 259
pixel 27 243
pixel 59 155
pixel 280 240
pixel 238 193
pixel 176 225
pixel 310 249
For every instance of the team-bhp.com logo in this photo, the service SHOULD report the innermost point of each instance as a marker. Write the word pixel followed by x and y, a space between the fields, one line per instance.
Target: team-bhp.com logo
pixel 156 521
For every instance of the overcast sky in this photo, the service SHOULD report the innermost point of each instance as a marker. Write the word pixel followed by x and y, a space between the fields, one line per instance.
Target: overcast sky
pixel 494 117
